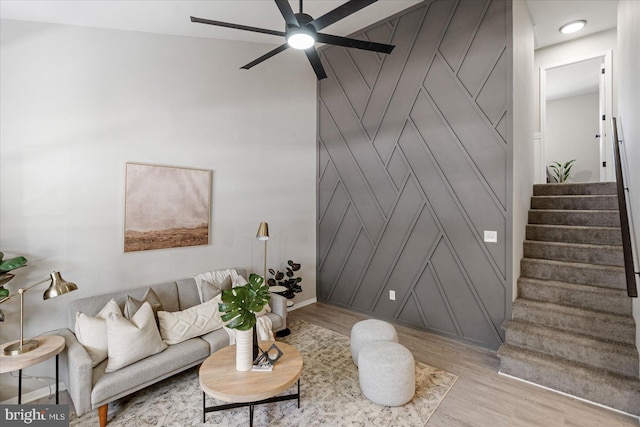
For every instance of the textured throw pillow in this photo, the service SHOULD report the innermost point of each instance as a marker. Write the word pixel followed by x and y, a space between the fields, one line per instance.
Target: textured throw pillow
pixel 179 326
pixel 92 331
pixel 133 305
pixel 210 291
pixel 132 340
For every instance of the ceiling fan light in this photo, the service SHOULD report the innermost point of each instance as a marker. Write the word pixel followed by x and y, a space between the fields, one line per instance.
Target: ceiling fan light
pixel 573 27
pixel 300 39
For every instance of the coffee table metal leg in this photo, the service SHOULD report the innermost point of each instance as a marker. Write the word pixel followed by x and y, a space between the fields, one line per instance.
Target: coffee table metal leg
pixel 250 415
pixel 19 386
pixel 57 382
pixel 298 393
pixel 204 408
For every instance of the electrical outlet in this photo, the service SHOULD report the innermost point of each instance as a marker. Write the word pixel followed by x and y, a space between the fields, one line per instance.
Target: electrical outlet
pixel 392 295
pixel 491 236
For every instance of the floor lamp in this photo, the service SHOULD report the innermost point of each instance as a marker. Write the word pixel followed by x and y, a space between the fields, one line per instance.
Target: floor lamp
pixel 57 287
pixel 263 234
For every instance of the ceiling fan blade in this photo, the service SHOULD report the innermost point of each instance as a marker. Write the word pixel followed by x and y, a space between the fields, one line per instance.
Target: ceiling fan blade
pixel 358 44
pixel 238 26
pixel 314 59
pixel 266 56
pixel 340 12
pixel 287 13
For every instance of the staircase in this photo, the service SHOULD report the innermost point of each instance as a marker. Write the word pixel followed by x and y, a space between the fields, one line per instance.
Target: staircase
pixel 572 328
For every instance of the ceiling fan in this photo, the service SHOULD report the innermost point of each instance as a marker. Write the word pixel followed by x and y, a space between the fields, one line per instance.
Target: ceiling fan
pixel 301 32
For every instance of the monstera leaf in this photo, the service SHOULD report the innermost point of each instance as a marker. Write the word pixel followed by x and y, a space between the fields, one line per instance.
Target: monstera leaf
pixel 12 263
pixel 240 304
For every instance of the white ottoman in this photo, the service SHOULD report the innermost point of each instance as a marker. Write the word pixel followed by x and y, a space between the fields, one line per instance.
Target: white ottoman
pixel 370 330
pixel 387 373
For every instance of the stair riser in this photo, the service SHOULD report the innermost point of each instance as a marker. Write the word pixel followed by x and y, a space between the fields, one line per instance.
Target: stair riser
pixel 585 218
pixel 606 277
pixel 592 326
pixel 592 188
pixel 580 385
pixel 590 255
pixel 596 354
pixel 574 202
pixel 619 303
pixel 589 236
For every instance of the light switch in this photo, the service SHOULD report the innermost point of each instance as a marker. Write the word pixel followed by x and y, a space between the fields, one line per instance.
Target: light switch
pixel 392 295
pixel 491 236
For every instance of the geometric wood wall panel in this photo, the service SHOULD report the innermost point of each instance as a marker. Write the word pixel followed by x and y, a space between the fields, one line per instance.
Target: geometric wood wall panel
pixel 413 166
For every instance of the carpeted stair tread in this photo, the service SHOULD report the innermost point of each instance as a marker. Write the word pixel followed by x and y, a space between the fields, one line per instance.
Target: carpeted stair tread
pixel 617 357
pixel 597 385
pixel 605 276
pixel 614 327
pixel 580 188
pixel 579 202
pixel 594 298
pixel 575 234
pixel 575 252
pixel 594 217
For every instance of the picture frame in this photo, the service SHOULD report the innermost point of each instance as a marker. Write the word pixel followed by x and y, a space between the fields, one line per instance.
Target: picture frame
pixel 166 207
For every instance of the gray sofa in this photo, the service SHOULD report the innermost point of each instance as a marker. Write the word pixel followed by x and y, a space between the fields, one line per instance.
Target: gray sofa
pixel 92 388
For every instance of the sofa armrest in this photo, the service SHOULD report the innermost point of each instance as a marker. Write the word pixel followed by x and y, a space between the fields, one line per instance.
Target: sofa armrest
pixel 278 306
pixel 76 371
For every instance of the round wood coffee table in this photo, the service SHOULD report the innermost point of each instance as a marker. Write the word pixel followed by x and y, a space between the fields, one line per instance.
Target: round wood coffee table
pixel 220 380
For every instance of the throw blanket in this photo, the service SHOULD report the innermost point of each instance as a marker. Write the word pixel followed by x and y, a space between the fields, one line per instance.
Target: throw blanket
pixel 263 329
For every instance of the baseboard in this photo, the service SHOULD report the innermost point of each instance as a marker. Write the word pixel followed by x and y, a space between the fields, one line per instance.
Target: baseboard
pixel 572 396
pixel 303 303
pixel 35 394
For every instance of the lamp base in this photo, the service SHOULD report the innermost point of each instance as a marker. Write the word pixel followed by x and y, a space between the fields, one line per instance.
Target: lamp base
pixel 16 349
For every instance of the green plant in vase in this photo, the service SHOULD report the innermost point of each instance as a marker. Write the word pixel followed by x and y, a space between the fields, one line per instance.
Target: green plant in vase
pixel 5 267
pixel 290 282
pixel 240 304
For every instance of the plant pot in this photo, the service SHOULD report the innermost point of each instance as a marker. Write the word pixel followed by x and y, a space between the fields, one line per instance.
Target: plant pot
pixel 244 350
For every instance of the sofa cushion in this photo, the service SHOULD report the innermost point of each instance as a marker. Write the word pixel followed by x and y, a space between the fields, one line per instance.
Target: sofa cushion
pixel 216 339
pixel 133 305
pixel 92 331
pixel 132 340
pixel 110 386
pixel 182 325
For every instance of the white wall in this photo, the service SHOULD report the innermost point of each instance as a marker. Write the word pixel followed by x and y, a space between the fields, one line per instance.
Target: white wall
pixel 77 104
pixel 628 66
pixel 523 129
pixel 572 124
pixel 578 48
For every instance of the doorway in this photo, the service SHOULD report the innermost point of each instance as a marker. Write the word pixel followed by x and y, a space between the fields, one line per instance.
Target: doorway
pixel 575 114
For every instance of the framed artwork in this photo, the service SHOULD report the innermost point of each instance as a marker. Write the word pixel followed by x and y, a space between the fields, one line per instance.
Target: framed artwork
pixel 166 207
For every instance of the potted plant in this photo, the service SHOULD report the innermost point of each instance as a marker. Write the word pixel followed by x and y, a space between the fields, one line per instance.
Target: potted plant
pixel 239 307
pixel 289 282
pixel 5 267
pixel 560 172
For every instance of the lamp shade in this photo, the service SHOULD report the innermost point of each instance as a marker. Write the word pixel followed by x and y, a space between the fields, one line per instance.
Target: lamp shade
pixel 58 286
pixel 263 231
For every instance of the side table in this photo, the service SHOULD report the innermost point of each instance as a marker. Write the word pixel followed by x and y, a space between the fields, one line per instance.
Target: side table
pixel 50 345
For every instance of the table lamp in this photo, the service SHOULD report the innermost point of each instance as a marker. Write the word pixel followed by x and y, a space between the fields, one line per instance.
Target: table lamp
pixel 57 287
pixel 263 234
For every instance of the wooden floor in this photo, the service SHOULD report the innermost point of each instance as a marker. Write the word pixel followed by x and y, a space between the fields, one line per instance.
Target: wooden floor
pixel 480 396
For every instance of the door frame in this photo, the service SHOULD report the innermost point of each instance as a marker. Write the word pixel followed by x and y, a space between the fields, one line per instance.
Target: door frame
pixel 606 155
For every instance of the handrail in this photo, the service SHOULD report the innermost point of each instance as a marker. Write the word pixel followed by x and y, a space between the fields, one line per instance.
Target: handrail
pixel 632 290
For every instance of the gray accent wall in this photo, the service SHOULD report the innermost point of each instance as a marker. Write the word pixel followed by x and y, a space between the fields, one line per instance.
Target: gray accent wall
pixel 414 164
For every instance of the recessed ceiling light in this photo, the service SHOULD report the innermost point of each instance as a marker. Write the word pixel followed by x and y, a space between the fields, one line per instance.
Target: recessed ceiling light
pixel 572 27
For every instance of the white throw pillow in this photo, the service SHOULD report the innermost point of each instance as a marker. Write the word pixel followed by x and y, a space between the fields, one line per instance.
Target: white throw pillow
pixel 132 340
pixel 179 326
pixel 92 332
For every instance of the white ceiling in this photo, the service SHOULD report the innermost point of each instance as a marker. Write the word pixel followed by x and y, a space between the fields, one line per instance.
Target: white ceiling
pixel 172 16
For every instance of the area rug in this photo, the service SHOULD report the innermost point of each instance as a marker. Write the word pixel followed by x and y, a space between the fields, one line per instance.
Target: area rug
pixel 330 394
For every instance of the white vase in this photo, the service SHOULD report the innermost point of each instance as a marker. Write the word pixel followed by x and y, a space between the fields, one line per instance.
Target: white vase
pixel 244 350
